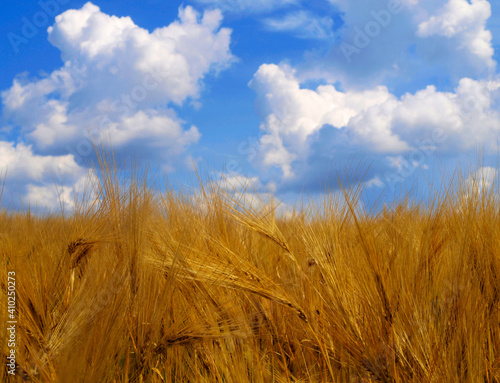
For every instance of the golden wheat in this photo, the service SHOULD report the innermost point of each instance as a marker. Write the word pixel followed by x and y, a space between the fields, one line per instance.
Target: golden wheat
pixel 147 287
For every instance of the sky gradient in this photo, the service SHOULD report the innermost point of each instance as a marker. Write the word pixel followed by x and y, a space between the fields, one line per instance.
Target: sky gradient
pixel 280 94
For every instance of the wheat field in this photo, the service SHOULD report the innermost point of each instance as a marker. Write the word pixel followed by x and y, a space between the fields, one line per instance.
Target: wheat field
pixel 143 286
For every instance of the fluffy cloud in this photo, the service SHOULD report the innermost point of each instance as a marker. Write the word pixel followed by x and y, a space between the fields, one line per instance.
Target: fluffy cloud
pixel 117 80
pixel 465 116
pixel 302 24
pixel 19 162
pixel 384 40
pixel 42 181
pixel 252 6
pixel 51 196
pixel 373 122
pixel 153 126
pixel 291 114
pixel 465 20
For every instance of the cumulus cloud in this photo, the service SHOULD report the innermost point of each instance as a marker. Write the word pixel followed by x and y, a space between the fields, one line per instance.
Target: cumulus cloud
pixel 291 114
pixel 41 181
pixel 383 41
pixel 158 128
pixel 53 196
pixel 374 121
pixel 120 82
pixel 248 6
pixel 19 162
pixel 302 24
pixel 465 20
pixel 118 79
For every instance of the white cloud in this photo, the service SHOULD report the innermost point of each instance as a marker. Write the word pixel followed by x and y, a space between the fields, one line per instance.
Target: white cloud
pixel 20 163
pixel 394 42
pixel 464 19
pixel 250 6
pixel 53 196
pixel 373 122
pixel 302 24
pixel 291 114
pixel 466 116
pixel 482 179
pixel 55 125
pixel 47 196
pixel 243 192
pixel 481 182
pixel 118 79
pixel 263 202
pixel 42 181
pixel 152 125
pixel 239 192
pixel 236 182
pixel 374 182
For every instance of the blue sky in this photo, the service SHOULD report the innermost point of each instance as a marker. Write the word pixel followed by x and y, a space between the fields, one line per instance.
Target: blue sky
pixel 281 93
